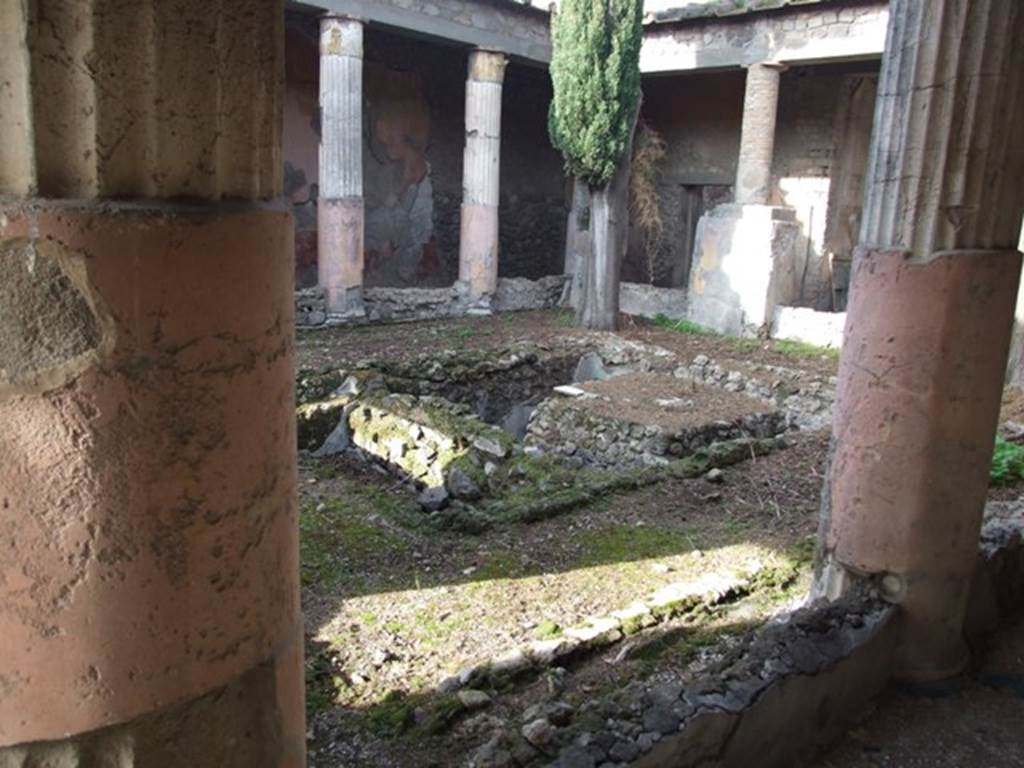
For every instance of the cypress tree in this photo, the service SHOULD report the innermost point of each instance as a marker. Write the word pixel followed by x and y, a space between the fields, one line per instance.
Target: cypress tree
pixel 595 73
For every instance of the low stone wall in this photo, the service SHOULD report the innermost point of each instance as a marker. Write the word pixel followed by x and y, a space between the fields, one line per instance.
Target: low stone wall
pixel 517 294
pixel 805 398
pixel 561 426
pixel 402 305
pixel 996 596
pixel 490 383
pixel 745 705
pixel 399 305
pixel 650 301
pixel 422 437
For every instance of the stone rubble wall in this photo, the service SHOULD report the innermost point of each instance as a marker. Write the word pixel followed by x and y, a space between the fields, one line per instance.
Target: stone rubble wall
pixel 806 398
pixel 421 438
pixel 490 383
pixel 562 426
pixel 808 34
pixel 399 305
pixel 996 597
pixel 746 702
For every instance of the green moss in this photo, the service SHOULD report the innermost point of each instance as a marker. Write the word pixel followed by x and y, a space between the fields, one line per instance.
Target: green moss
pixel 617 543
pixel 316 420
pixel 311 386
pixel 633 625
pixel 533 488
pixel 547 630
pixel 393 716
pixel 470 468
pixel 334 535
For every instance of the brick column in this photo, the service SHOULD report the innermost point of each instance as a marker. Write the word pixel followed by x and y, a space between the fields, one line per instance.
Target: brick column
pixel 481 166
pixel 340 211
pixel 928 328
pixel 149 610
pixel 757 140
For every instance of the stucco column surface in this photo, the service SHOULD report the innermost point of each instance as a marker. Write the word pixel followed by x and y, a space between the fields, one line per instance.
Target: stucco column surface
pixel 340 209
pixel 928 326
pixel 481 186
pixel 149 602
pixel 757 137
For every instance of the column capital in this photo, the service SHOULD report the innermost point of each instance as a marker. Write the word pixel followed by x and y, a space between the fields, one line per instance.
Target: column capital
pixel 487 65
pixel 776 66
pixel 341 36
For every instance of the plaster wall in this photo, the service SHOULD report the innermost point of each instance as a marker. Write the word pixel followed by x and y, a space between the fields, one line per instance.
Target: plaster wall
pixel 414 134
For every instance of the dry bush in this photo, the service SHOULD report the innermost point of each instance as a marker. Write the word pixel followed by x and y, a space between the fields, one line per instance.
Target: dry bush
pixel 645 200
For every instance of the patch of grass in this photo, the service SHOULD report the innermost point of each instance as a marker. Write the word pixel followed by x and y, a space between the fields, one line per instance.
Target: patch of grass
pixel 499 566
pixel 803 349
pixel 565 320
pixel 1007 463
pixel 618 543
pixel 323 683
pixel 395 715
pixel 683 326
pixel 336 534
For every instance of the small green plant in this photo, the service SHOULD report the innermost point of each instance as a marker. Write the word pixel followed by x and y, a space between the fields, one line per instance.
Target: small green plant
pixel 683 326
pixel 803 349
pixel 547 630
pixel 466 333
pixel 1007 463
pixel 566 319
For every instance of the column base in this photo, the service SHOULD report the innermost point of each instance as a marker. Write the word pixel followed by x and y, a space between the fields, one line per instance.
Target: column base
pixel 150 550
pixel 478 252
pixel 917 407
pixel 744 265
pixel 340 226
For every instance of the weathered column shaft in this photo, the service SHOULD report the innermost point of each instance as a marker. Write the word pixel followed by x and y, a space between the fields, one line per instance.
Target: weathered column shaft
pixel 340 211
pixel 481 173
pixel 149 608
pixel 757 139
pixel 928 327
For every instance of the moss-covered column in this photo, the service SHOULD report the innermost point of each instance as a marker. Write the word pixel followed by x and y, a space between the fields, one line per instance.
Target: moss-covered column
pixel 149 607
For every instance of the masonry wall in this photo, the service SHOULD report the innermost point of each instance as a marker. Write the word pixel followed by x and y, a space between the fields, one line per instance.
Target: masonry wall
pixel 414 104
pixel 699 115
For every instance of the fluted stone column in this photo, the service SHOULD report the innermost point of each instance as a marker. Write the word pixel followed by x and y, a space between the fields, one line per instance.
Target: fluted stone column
pixel 481 186
pixel 149 603
pixel 928 326
pixel 757 137
pixel 340 211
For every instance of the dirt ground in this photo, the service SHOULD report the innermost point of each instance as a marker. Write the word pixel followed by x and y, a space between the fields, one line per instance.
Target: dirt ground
pixel 393 605
pixel 971 722
pixel 319 349
pixel 664 401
